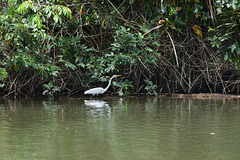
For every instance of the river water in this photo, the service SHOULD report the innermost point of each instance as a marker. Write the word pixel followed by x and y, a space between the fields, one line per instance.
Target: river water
pixel 134 128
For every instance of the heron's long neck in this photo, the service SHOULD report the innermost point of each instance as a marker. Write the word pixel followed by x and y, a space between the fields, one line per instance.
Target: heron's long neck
pixel 109 83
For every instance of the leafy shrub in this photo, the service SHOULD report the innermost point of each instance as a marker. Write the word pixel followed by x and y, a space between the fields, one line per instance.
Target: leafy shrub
pixel 61 46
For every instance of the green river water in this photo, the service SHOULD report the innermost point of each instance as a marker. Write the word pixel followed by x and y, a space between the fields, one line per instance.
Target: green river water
pixel 135 128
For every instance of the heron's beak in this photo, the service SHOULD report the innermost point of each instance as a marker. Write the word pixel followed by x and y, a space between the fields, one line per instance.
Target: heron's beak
pixel 118 75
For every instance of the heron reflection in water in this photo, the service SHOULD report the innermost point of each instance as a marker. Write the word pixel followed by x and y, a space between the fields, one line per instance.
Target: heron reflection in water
pixel 95 103
pixel 98 108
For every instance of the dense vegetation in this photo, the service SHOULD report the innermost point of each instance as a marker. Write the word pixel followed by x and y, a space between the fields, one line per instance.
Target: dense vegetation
pixel 62 47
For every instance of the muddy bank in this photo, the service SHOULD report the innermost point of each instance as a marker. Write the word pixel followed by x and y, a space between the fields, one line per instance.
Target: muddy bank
pixel 201 96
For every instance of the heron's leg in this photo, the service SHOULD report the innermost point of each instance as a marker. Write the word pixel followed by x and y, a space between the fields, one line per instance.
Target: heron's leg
pixel 92 96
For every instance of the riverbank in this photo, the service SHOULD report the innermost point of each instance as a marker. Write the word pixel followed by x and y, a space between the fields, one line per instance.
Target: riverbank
pixel 164 95
pixel 63 48
pixel 200 96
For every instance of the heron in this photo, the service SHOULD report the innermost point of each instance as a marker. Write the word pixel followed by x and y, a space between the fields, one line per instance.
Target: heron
pixel 100 90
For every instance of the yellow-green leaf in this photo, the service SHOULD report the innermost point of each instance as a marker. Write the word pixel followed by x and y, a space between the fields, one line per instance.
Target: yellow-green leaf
pixel 103 24
pixel 197 30
pixel 15 67
pixel 81 10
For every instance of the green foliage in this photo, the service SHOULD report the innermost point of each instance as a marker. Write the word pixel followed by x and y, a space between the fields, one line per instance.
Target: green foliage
pixel 233 54
pixel 50 89
pixel 215 41
pixel 37 14
pixel 226 35
pixel 3 75
pixel 28 44
pixel 150 87
pixel 125 87
pixel 57 45
pixel 176 14
pixel 134 46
